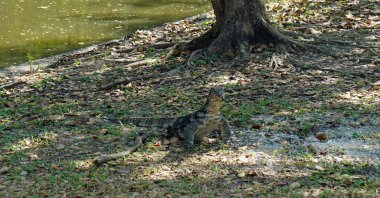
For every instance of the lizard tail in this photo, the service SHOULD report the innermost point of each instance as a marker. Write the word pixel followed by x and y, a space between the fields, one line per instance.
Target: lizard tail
pixel 146 122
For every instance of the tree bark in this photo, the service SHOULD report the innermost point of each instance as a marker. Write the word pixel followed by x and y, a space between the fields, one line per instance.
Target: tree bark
pixel 239 24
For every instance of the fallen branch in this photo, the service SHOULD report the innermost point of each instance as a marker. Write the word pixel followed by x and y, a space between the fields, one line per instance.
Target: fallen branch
pixel 340 71
pixel 105 158
pixel 12 85
pixel 141 63
pixel 136 64
pixel 129 80
pixel 144 47
pixel 120 60
pixel 316 40
pixel 273 63
pixel 150 61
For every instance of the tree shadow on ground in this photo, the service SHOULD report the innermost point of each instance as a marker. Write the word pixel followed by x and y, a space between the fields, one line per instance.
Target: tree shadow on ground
pixel 48 135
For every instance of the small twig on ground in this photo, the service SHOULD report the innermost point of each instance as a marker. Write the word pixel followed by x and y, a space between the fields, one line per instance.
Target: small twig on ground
pixel 69 59
pixel 141 63
pixel 315 67
pixel 135 64
pixel 118 61
pixel 318 40
pixel 128 80
pixel 171 52
pixel 154 46
pixel 12 85
pixel 273 63
pixel 366 47
pixel 105 158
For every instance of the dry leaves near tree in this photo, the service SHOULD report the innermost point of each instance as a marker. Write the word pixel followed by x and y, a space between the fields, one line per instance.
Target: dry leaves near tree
pixel 304 125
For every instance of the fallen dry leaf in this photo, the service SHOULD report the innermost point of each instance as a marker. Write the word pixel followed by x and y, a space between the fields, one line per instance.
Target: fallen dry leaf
pixel 295 185
pixel 4 169
pixel 321 136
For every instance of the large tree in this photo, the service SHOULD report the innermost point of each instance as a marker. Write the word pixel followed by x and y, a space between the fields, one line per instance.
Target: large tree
pixel 239 24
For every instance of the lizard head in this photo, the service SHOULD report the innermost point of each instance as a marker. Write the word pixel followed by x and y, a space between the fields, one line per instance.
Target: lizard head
pixel 215 99
pixel 217 92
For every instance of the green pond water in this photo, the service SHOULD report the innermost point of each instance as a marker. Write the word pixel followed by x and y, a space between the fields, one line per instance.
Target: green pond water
pixel 31 30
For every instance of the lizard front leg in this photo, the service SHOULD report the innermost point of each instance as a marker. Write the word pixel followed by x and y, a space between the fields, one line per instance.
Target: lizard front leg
pixel 225 129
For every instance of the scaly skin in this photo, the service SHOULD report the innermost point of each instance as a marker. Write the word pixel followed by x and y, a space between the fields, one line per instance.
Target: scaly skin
pixel 192 127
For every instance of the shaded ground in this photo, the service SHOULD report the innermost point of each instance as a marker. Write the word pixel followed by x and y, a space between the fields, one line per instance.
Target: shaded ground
pixel 50 132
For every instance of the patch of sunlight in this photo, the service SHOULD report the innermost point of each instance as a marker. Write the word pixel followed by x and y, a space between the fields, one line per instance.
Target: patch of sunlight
pixel 38 80
pixel 82 164
pixel 330 80
pixel 31 142
pixel 4 121
pixel 361 97
pixel 225 79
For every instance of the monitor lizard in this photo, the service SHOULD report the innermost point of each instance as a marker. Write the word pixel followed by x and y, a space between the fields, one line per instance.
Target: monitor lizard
pixel 192 127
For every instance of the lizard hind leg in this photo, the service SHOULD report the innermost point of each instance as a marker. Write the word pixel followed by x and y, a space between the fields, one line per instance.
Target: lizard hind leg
pixel 189 140
pixel 188 134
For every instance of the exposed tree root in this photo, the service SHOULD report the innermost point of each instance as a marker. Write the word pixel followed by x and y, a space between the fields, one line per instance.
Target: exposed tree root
pixel 284 45
pixel 239 25
pixel 106 158
pixel 171 52
pixel 340 71
pixel 287 45
pixel 315 40
pixel 135 64
pixel 198 54
pixel 12 85
pixel 296 35
pixel 243 56
pixel 200 42
pixel 273 64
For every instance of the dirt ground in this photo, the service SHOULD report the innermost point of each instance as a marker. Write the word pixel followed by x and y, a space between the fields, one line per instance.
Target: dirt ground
pixel 304 125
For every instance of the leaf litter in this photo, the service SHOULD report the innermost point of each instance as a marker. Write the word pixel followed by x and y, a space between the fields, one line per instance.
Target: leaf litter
pixel 303 125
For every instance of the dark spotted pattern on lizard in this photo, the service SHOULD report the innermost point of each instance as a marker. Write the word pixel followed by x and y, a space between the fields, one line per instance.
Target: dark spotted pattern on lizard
pixel 192 127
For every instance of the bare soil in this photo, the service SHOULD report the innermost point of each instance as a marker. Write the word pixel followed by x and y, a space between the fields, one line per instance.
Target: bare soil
pixel 305 125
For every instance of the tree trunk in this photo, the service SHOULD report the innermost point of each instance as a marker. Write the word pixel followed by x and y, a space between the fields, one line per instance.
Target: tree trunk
pixel 239 24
